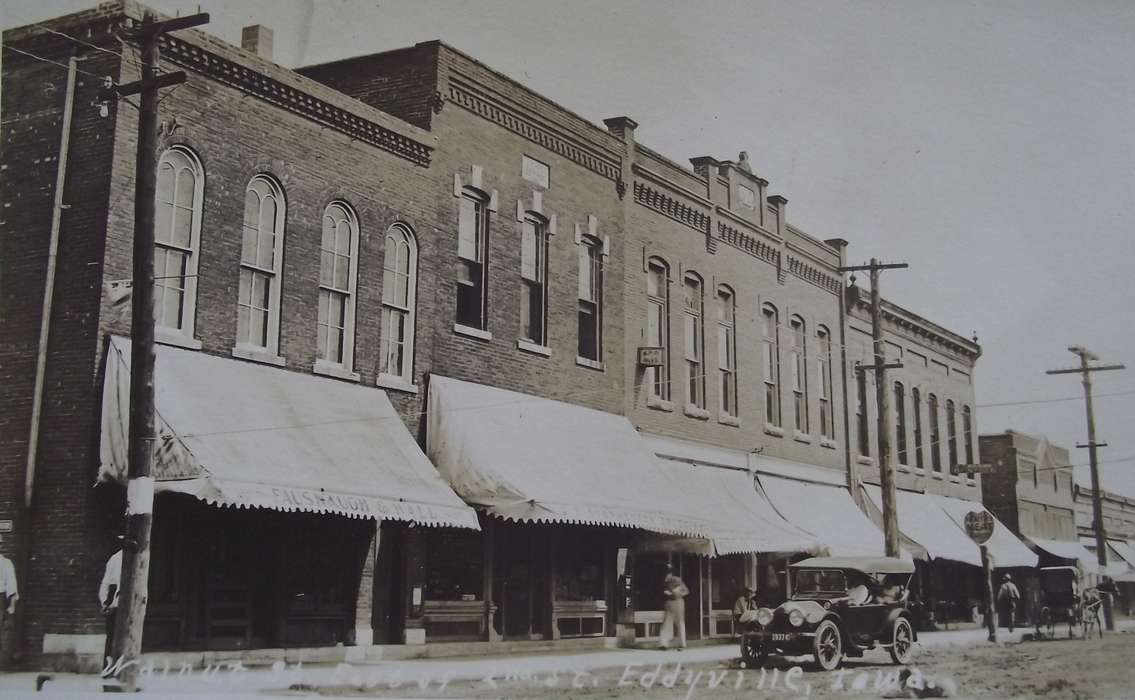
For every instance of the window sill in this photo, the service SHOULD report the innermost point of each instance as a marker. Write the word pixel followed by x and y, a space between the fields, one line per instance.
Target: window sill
pixel 902 468
pixel 802 437
pixel 472 332
pixel 533 348
pixel 828 443
pixel 970 481
pixel 591 364
pixel 659 404
pixel 330 369
pixel 936 475
pixel 696 412
pixel 389 381
pixel 774 430
pixel 955 478
pixel 254 354
pixel 865 461
pixel 727 419
pixel 176 339
pixel 918 471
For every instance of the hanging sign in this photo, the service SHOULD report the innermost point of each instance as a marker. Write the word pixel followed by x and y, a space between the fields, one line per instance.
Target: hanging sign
pixel 979 526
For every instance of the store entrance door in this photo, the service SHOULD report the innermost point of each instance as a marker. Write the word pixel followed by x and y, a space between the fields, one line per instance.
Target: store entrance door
pixel 518 579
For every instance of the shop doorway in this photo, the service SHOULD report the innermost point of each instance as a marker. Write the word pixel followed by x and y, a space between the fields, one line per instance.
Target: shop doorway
pixel 520 581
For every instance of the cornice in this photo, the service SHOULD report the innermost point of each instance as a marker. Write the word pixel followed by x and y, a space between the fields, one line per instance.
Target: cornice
pixel 670 207
pixel 495 110
pixel 744 225
pixel 813 275
pixel 921 328
pixel 669 184
pixel 805 253
pixel 748 244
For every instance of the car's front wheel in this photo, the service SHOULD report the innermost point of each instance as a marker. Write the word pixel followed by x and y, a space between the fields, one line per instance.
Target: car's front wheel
pixel 828 646
pixel 753 653
pixel 902 641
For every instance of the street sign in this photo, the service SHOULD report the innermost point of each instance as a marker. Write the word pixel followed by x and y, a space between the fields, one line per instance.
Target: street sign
pixel 972 469
pixel 651 357
pixel 979 526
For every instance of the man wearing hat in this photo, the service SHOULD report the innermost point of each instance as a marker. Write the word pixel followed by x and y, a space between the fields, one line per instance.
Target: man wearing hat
pixel 746 602
pixel 674 610
pixel 8 595
pixel 1007 597
pixel 108 596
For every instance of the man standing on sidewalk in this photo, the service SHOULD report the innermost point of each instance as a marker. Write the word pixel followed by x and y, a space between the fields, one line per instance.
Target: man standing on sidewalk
pixel 1007 597
pixel 674 619
pixel 108 599
pixel 8 596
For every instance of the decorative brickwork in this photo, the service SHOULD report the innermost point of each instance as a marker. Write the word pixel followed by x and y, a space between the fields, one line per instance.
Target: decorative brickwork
pixel 668 206
pixel 813 275
pixel 753 246
pixel 253 83
pixel 494 112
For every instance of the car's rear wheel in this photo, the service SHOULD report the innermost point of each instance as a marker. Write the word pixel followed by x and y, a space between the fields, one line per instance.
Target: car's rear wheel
pixel 828 646
pixel 902 641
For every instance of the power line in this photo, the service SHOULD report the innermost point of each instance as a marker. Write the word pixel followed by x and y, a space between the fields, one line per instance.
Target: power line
pixel 48 60
pixel 80 41
pixel 1058 400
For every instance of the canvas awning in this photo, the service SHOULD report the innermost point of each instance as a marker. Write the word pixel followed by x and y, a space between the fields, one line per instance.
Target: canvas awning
pixel 531 459
pixel 242 434
pixel 925 522
pixel 826 511
pixel 1116 563
pixel 1005 548
pixel 1064 549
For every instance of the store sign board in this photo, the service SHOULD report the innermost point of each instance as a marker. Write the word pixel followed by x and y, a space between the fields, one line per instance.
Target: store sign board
pixel 651 357
pixel 979 526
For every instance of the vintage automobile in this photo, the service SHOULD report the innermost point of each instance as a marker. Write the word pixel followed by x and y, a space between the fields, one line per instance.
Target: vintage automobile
pixel 838 606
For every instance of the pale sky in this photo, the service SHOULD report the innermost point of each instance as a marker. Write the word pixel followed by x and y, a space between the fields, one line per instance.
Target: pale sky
pixel 991 145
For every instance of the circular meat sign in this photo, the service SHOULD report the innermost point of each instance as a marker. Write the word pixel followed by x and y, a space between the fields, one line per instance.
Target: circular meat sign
pixel 979 526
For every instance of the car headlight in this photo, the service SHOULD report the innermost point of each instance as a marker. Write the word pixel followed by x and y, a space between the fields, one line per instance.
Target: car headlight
pixel 795 617
pixel 764 617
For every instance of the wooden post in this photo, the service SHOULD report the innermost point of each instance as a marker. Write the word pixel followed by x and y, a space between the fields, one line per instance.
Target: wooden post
pixel 487 563
pixel 990 607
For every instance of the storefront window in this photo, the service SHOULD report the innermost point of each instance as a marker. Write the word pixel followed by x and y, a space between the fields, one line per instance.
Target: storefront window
pixel 728 580
pixel 579 569
pixel 453 568
pixel 649 573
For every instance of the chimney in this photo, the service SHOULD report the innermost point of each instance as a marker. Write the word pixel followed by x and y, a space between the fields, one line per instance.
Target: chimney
pixel 258 40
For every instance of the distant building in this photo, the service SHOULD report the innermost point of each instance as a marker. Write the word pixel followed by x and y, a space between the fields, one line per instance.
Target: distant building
pixel 1030 488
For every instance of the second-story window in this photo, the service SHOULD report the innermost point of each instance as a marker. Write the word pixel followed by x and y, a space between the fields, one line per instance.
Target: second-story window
pixel 952 436
pixel 399 286
pixel 799 364
pixel 824 372
pixel 262 252
pixel 862 429
pixel 692 324
pixel 935 433
pixel 338 270
pixel 472 251
pixel 177 234
pixel 916 411
pixel 967 433
pixel 727 350
pixel 657 326
pixel 590 299
pixel 534 279
pixel 770 356
pixel 900 423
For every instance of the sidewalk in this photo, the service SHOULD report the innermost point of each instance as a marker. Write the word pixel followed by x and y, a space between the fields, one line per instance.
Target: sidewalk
pixel 435 674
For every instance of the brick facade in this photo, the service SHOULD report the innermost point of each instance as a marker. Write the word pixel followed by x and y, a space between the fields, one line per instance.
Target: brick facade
pixel 1030 488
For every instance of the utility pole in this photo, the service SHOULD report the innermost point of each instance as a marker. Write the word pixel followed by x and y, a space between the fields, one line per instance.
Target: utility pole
pixel 1085 370
pixel 140 486
pixel 880 367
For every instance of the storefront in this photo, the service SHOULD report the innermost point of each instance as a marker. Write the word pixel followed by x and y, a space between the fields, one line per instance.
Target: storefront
pixel 256 470
pixel 580 519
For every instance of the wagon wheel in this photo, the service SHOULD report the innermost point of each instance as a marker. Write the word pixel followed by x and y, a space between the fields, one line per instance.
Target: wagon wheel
pixel 902 641
pixel 828 646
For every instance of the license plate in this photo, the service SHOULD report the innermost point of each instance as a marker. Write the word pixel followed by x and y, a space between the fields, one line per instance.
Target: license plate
pixel 780 637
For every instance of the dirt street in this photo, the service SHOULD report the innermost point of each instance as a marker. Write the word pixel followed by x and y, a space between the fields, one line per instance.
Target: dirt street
pixel 1049 669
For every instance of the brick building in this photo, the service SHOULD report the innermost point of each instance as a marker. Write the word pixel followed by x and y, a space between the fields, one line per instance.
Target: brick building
pixel 1030 488
pixel 426 246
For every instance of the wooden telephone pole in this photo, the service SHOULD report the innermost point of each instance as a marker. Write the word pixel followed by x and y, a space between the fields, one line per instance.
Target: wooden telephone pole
pixel 140 486
pixel 880 367
pixel 1085 370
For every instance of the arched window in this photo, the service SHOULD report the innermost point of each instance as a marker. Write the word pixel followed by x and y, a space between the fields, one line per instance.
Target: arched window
pixel 338 272
pixel 916 405
pixel 900 423
pixel 935 433
pixel 658 326
pixel 590 299
pixel 967 433
pixel 799 364
pixel 863 430
pixel 952 436
pixel 261 258
pixel 177 235
pixel 824 372
pixel 399 285
pixel 534 279
pixel 472 252
pixel 692 307
pixel 727 349
pixel 770 356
